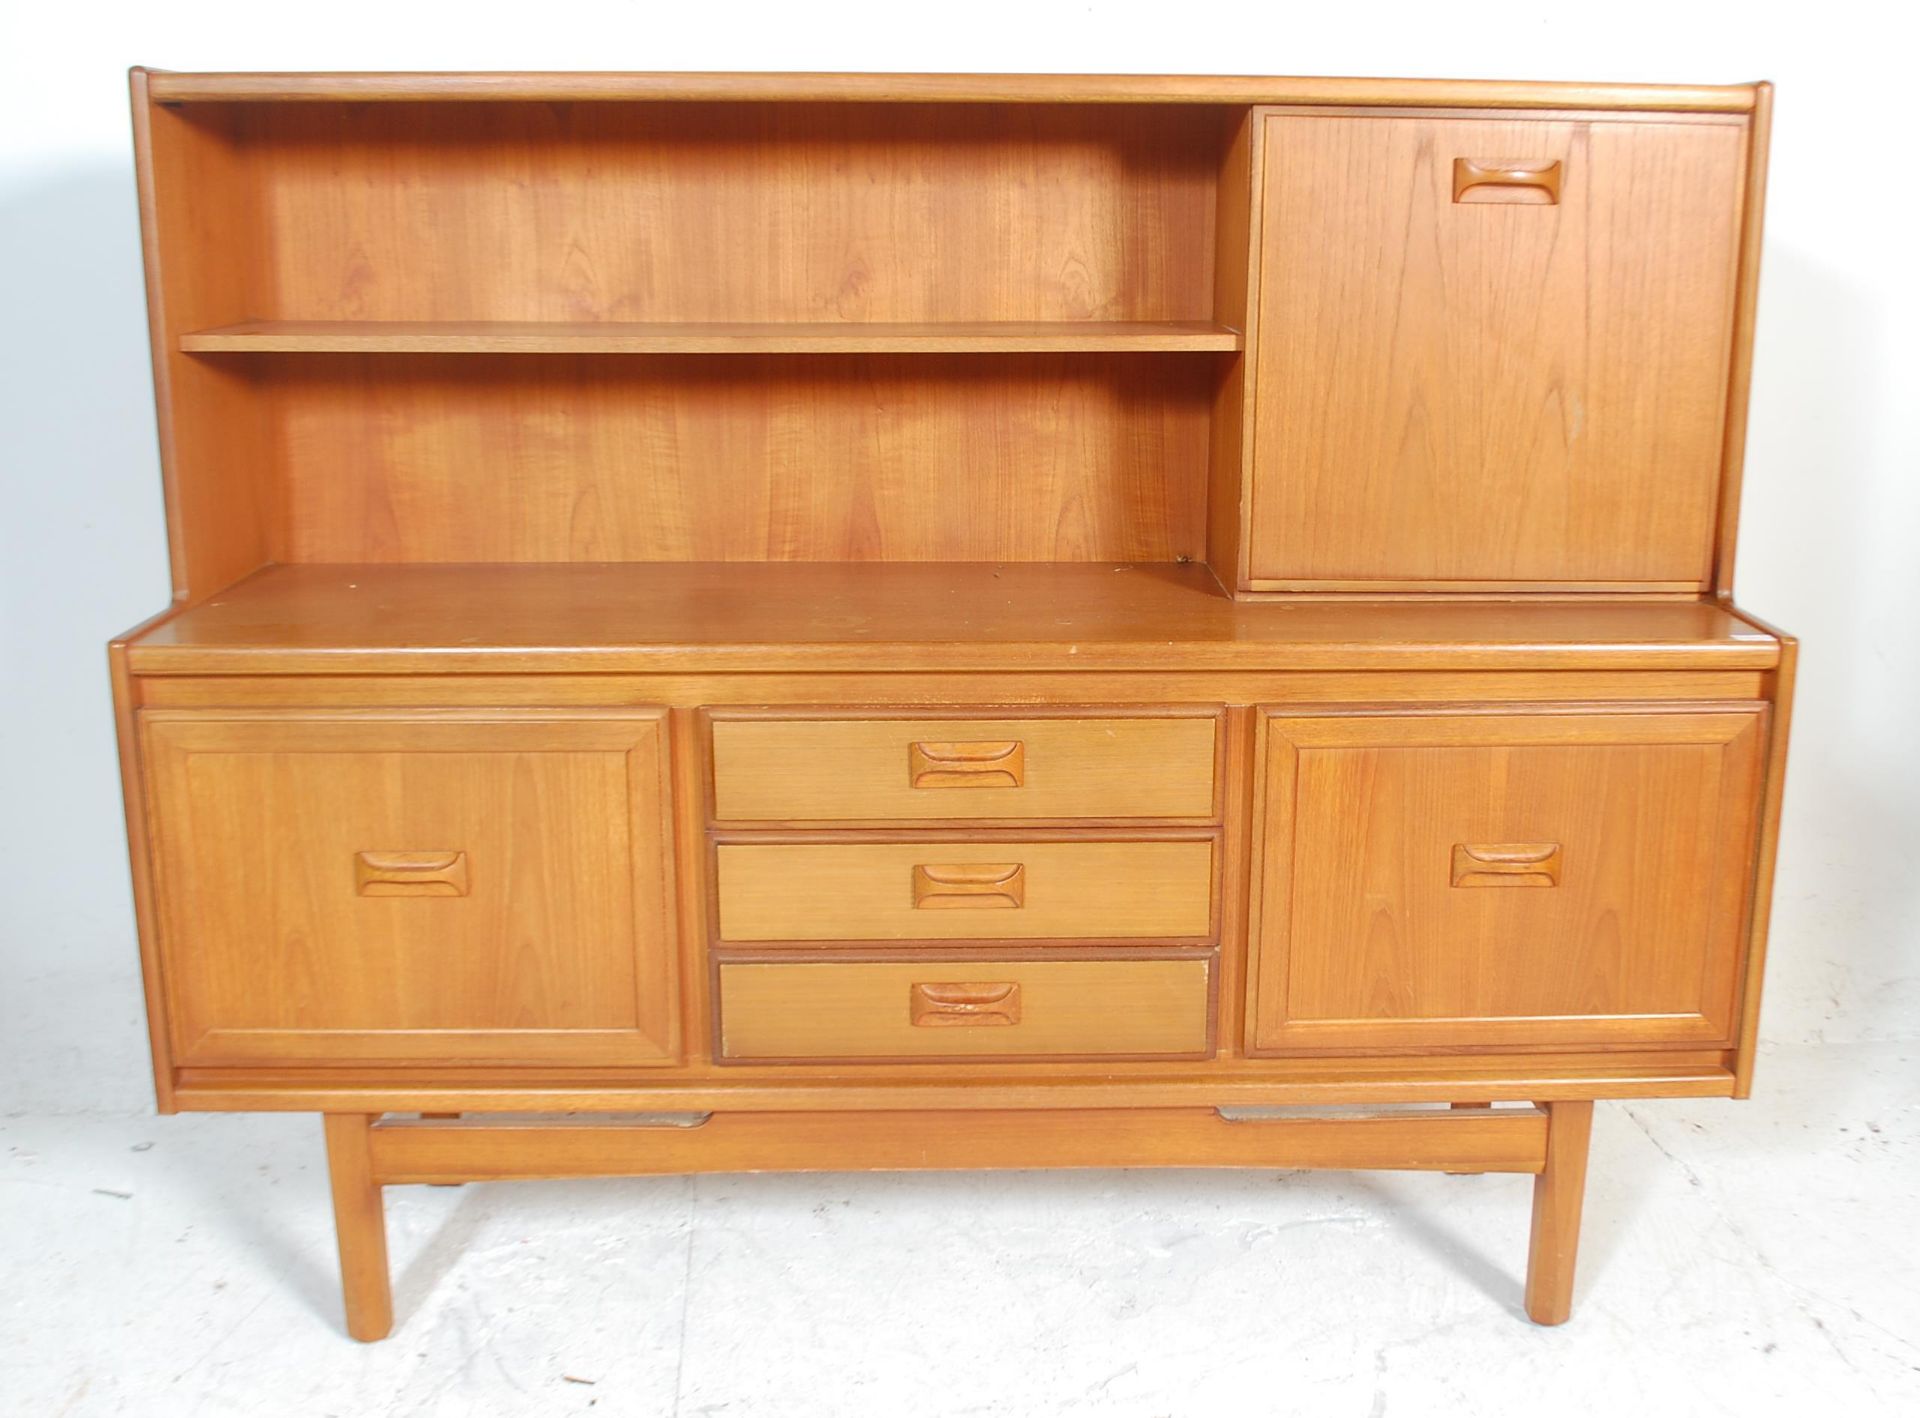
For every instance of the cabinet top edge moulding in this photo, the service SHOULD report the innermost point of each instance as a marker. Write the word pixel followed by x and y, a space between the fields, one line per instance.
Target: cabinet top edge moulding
pixel 169 87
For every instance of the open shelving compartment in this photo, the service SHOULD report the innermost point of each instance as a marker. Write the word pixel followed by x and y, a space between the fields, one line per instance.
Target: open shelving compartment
pixel 691 332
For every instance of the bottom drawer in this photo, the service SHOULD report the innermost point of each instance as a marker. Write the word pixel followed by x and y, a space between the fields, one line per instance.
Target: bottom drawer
pixel 947 1008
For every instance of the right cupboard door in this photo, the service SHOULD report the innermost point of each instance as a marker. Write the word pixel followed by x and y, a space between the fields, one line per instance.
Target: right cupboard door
pixel 1548 878
pixel 1492 353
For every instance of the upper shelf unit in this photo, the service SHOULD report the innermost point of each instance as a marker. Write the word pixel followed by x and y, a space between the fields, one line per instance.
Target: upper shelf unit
pixel 711 337
pixel 1415 339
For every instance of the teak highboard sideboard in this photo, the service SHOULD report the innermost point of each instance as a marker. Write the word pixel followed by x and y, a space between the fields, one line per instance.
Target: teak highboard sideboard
pixel 732 622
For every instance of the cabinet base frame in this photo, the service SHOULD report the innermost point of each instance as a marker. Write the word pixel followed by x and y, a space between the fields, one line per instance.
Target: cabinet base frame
pixel 367 1152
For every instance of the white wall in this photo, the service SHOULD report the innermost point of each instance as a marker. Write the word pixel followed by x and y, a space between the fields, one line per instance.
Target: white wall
pixel 1829 543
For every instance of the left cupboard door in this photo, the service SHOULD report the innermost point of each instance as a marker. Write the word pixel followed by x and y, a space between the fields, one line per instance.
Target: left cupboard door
pixel 424 887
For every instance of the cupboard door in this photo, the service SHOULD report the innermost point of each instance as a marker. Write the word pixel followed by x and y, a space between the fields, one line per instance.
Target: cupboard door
pixel 1482 880
pixel 423 887
pixel 1492 353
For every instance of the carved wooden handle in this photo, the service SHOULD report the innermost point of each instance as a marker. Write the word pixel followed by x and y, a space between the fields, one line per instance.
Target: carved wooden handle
pixel 974 886
pixel 998 763
pixel 410 873
pixel 1476 181
pixel 1506 864
pixel 942 1006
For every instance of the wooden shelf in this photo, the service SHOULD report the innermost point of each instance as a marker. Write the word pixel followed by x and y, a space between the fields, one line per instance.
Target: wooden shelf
pixel 875 616
pixel 608 337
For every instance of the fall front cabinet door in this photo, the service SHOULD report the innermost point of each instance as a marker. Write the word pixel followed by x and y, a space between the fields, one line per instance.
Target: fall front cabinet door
pixel 1488 879
pixel 426 887
pixel 1491 352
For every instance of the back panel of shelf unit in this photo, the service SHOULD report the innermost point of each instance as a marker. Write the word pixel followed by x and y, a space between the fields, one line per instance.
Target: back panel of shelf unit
pixel 752 212
pixel 741 458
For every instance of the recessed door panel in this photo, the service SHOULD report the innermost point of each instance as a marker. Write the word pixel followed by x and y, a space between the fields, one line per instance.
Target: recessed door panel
pixel 431 887
pixel 1484 880
pixel 1492 352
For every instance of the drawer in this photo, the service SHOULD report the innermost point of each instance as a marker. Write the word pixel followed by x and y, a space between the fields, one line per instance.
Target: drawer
pixel 966 1009
pixel 803 770
pixel 1551 878
pixel 943 890
pixel 413 887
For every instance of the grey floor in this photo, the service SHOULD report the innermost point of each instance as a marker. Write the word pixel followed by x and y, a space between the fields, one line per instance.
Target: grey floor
pixel 1747 1259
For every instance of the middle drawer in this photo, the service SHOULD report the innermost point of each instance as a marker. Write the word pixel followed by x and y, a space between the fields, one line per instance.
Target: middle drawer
pixel 973 890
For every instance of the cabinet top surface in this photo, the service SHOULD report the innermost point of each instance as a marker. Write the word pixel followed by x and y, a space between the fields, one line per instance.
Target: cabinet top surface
pixel 902 616
pixel 167 87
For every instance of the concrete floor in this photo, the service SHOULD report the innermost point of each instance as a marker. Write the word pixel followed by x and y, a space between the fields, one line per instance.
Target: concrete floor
pixel 1744 1259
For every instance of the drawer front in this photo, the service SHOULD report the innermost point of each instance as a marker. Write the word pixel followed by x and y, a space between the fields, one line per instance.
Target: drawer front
pixel 413 888
pixel 966 1009
pixel 965 890
pixel 1489 879
pixel 1493 352
pixel 929 770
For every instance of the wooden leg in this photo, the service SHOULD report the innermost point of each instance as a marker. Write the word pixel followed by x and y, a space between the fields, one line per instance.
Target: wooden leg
pixel 1470 1106
pixel 360 1218
pixel 1558 1193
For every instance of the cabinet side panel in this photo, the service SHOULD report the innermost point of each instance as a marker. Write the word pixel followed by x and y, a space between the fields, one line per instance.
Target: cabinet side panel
pixel 1232 305
pixel 1764 855
pixel 140 861
pixel 1740 379
pixel 201 233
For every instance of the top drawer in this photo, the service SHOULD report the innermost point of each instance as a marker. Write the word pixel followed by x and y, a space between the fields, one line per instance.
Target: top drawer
pixel 1129 766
